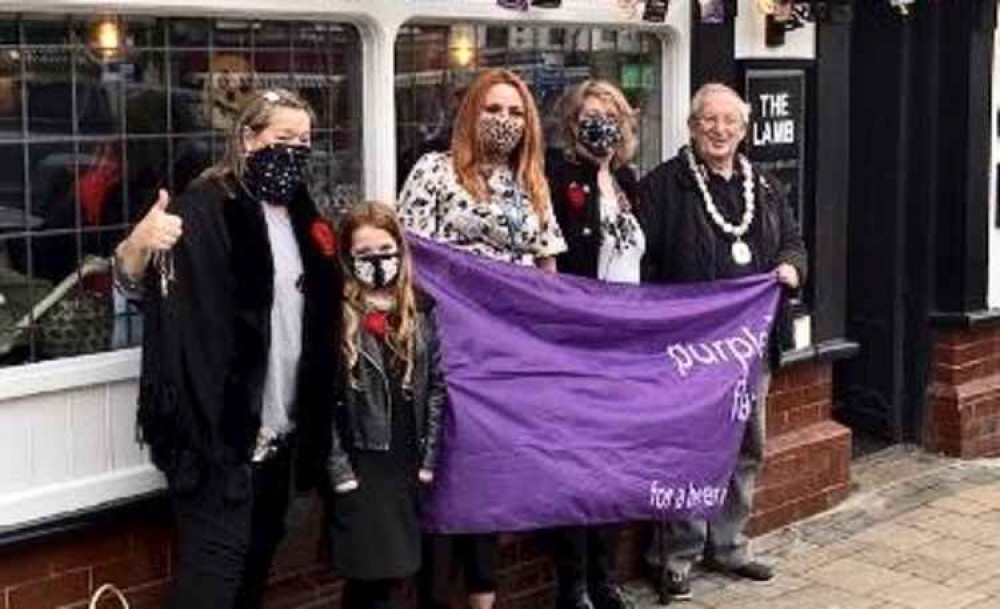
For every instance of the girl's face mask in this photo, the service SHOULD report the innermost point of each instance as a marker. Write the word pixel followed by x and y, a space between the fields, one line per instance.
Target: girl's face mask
pixel 376 271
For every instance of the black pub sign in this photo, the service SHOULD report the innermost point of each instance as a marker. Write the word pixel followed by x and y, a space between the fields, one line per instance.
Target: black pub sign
pixel 776 136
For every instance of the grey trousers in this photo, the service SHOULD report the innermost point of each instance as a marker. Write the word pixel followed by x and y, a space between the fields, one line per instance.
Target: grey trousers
pixel 681 543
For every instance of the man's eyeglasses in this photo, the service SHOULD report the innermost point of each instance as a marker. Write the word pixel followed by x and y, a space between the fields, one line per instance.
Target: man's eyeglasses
pixel 729 121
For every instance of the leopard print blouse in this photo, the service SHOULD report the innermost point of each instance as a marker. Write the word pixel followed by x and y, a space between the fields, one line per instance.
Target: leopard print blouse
pixel 435 206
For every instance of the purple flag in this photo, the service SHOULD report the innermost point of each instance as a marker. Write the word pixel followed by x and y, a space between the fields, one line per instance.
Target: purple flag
pixel 580 402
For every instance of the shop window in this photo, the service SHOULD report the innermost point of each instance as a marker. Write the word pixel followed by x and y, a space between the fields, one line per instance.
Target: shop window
pixel 98 112
pixel 435 63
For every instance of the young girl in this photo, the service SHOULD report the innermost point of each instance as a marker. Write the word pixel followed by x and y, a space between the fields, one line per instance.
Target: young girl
pixel 385 436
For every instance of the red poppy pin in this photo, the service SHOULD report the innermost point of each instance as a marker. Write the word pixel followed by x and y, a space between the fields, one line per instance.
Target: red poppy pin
pixel 576 196
pixel 377 323
pixel 322 236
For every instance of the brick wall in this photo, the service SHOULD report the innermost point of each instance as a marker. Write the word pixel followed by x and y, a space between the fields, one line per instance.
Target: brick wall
pixel 807 455
pixel 963 417
pixel 135 552
pixel 805 471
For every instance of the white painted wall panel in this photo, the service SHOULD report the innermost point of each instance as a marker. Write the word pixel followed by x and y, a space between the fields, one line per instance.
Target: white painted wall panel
pixel 69 450
pixel 66 447
pixel 125 452
pixel 50 437
pixel 89 454
pixel 36 503
pixel 15 446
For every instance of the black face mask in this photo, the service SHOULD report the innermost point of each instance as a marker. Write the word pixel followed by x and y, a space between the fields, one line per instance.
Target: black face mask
pixel 376 270
pixel 599 135
pixel 275 173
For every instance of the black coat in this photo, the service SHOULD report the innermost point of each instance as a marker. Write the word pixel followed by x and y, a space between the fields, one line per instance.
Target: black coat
pixel 363 413
pixel 681 240
pixel 205 346
pixel 581 224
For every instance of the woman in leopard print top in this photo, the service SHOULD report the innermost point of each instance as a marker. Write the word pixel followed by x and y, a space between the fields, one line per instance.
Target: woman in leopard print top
pixel 487 196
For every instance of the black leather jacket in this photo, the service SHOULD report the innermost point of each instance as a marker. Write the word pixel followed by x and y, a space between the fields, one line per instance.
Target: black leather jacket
pixel 362 415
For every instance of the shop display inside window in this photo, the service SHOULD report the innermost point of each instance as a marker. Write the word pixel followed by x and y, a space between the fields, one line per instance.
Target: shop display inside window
pixel 435 63
pixel 99 112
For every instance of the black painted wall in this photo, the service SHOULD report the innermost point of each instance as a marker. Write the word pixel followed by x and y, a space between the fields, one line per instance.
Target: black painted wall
pixel 918 227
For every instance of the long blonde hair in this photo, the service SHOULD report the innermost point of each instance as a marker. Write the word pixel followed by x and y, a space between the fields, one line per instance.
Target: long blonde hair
pixel 402 335
pixel 254 118
pixel 527 160
pixel 572 103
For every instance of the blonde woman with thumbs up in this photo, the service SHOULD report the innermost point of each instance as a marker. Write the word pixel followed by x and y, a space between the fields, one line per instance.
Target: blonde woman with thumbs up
pixel 240 290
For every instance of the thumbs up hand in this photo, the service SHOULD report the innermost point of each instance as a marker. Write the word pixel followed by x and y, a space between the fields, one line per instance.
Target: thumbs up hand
pixel 159 230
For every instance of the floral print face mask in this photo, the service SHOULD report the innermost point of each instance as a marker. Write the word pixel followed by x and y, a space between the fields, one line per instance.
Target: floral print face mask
pixel 376 270
pixel 599 135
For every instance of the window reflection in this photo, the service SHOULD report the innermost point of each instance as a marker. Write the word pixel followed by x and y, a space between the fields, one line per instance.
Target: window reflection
pixel 89 130
pixel 436 62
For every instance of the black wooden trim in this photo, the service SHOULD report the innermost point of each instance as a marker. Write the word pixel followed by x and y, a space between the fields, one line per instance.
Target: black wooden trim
pixel 920 241
pixel 104 514
pixel 965 320
pixel 833 350
pixel 713 51
pixel 980 164
pixel 964 155
pixel 871 387
pixel 830 188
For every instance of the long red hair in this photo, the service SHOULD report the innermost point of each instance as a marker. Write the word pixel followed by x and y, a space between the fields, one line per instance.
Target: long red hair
pixel 527 160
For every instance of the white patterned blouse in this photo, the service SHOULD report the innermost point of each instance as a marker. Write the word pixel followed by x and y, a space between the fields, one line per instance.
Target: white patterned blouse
pixel 435 206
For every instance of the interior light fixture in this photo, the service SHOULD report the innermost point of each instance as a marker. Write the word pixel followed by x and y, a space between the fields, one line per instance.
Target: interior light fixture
pixel 462 45
pixel 107 41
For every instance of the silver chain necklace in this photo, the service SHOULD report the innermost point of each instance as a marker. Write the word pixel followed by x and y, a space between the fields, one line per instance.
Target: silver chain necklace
pixel 740 250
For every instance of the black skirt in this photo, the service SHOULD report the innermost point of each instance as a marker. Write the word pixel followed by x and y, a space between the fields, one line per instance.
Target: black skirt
pixel 375 530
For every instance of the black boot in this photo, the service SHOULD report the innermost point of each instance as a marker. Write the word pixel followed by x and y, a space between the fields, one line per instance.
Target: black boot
pixel 750 569
pixel 574 597
pixel 673 586
pixel 610 596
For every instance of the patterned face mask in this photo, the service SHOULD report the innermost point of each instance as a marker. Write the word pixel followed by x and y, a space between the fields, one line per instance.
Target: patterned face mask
pixel 275 173
pixel 599 135
pixel 376 270
pixel 499 136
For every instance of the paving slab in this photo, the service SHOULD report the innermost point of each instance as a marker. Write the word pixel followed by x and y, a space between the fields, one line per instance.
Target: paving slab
pixel 919 531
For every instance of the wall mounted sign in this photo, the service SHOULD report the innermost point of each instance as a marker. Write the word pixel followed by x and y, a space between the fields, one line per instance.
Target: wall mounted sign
pixel 776 136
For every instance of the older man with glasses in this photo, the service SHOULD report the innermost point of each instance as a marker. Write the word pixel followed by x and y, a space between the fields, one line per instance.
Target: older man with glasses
pixel 709 214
